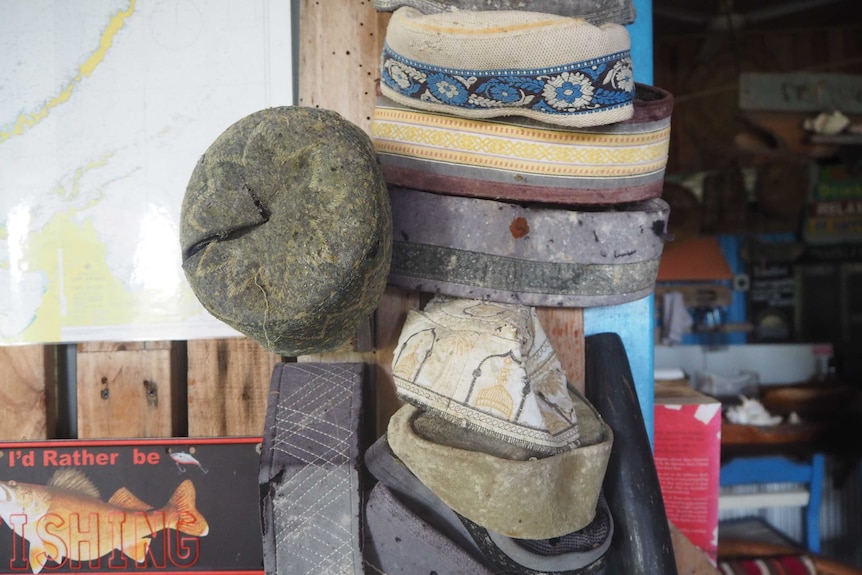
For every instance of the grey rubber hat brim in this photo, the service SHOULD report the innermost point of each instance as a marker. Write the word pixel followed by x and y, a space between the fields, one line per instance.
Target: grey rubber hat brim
pixel 400 542
pixel 534 499
pixel 467 248
pixel 505 554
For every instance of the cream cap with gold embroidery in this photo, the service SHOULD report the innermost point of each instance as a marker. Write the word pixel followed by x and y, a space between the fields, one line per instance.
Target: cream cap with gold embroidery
pixel 489 367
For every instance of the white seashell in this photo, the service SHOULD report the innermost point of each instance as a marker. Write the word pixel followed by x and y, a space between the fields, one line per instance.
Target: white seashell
pixel 751 412
pixel 827 124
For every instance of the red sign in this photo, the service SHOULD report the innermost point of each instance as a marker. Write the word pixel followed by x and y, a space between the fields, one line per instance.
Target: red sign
pixel 142 506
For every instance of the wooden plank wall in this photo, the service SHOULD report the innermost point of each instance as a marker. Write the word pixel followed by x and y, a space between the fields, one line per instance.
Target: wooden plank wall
pixel 219 387
pixel 27 381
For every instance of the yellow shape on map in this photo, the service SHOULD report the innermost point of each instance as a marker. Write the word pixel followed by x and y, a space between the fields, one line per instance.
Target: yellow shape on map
pixel 27 120
pixel 80 290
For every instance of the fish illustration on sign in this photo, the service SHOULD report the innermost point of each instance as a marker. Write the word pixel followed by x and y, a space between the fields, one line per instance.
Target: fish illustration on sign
pixel 50 516
pixel 181 458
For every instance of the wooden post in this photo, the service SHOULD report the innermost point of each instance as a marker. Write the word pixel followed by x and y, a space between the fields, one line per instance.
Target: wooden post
pixel 565 328
pixel 130 389
pixel 340 46
pixel 28 376
pixel 390 316
pixel 340 42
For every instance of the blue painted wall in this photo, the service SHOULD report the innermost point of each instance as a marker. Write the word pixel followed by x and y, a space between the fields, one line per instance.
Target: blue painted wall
pixel 634 321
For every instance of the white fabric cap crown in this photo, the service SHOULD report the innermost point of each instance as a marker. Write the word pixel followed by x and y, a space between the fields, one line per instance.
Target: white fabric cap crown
pixel 490 367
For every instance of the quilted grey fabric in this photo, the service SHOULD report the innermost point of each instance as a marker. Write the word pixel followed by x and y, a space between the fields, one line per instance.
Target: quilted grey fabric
pixel 310 485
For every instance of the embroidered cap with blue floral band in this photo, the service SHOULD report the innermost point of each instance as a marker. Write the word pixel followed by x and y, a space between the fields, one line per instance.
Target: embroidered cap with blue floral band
pixel 554 69
pixel 579 88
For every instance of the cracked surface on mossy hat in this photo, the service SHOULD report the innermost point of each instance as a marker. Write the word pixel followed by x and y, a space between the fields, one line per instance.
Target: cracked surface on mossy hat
pixel 286 229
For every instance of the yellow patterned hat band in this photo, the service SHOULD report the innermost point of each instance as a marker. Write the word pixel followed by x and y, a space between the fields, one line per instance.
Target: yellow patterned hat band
pixel 519 159
pixel 487 64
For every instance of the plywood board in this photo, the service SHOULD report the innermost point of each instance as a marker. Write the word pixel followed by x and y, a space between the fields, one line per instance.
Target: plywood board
pixel 27 379
pixel 125 392
pixel 228 380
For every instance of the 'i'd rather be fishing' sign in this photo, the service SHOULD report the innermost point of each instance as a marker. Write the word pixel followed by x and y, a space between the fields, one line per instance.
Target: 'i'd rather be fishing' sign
pixel 142 506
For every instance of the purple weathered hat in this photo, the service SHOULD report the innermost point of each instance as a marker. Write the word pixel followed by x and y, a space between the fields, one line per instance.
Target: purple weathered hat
pixel 535 255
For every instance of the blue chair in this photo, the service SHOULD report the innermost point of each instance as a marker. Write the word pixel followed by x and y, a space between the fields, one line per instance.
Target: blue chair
pixel 779 469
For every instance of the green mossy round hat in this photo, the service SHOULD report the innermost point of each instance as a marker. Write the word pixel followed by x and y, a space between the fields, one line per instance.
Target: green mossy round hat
pixel 286 229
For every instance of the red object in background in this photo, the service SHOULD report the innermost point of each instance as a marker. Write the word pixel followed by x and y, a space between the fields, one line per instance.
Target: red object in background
pixel 687 450
pixel 695 259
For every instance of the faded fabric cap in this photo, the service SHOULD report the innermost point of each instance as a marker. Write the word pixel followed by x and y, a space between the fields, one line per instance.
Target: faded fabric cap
pixel 593 11
pixel 540 255
pixel 559 70
pixel 519 159
pixel 537 498
pixel 286 229
pixel 578 553
pixel 490 367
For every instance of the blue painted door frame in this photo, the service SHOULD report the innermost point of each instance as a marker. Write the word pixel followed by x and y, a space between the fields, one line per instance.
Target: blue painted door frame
pixel 634 321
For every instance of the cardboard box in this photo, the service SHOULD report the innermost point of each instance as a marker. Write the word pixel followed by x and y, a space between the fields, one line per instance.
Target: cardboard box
pixel 687 449
pixel 147 506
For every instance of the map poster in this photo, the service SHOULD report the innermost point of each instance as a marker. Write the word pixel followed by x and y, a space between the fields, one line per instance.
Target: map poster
pixel 145 506
pixel 105 107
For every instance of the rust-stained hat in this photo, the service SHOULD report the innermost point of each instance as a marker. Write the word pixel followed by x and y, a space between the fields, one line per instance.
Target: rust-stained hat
pixel 519 159
pixel 560 70
pixel 538 255
pixel 593 11
pixel 286 230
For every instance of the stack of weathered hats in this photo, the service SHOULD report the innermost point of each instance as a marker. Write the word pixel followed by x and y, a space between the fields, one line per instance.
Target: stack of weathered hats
pixel 524 163
pixel 493 450
pixel 524 167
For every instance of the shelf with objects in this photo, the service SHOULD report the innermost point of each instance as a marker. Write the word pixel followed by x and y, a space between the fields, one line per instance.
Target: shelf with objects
pixel 761 313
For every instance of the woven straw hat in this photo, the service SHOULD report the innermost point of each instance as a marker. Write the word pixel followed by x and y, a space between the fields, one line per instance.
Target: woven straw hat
pixel 593 11
pixel 519 159
pixel 539 255
pixel 286 229
pixel 560 70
